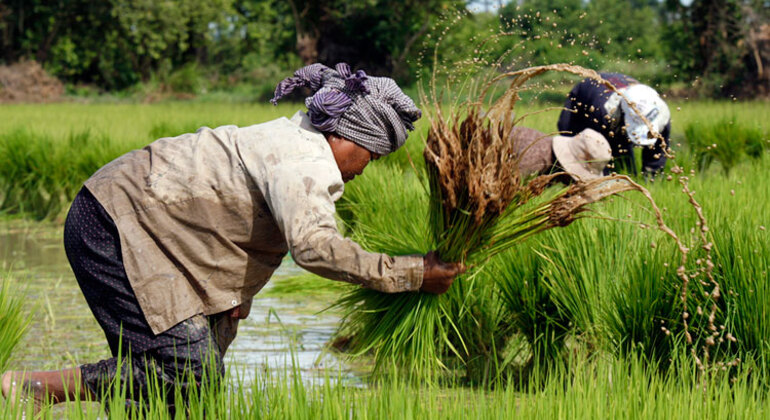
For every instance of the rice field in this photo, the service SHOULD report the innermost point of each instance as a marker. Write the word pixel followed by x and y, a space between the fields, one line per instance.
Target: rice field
pixel 580 322
pixel 48 150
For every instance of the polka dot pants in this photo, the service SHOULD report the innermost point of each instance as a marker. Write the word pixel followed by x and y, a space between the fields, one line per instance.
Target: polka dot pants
pixel 172 358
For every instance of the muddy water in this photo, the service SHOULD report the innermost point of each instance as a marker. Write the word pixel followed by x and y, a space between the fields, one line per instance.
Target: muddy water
pixel 280 331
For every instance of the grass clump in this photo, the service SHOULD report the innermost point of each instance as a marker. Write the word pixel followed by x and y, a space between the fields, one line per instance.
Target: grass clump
pixel 725 141
pixel 40 175
pixel 13 319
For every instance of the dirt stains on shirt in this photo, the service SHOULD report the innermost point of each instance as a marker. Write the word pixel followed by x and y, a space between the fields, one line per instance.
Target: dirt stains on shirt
pixel 205 218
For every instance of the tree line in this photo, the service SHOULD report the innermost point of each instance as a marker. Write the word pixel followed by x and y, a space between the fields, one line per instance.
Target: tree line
pixel 716 47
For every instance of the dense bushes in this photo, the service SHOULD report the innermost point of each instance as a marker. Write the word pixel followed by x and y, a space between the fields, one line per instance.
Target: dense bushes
pixel 120 44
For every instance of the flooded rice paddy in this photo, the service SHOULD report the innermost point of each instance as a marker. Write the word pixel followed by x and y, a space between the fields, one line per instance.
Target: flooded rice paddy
pixel 283 328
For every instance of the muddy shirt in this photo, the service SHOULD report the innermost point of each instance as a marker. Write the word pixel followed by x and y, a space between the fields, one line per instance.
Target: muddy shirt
pixel 596 107
pixel 205 218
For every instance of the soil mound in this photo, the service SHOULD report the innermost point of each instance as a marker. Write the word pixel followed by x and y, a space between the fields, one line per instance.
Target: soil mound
pixel 27 81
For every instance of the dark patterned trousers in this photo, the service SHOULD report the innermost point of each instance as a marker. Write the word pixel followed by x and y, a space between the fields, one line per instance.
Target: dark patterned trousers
pixel 187 352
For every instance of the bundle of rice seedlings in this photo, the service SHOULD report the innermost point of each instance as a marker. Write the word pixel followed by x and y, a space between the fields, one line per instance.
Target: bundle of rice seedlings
pixel 615 291
pixel 478 207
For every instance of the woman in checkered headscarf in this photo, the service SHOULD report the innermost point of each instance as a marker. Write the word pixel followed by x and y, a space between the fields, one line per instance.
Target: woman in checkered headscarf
pixel 170 243
pixel 372 112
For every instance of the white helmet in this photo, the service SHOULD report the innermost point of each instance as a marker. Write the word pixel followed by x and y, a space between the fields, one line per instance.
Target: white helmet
pixel 651 106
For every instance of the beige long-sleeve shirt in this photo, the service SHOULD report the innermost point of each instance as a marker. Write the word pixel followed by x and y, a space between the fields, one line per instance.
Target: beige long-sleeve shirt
pixel 205 218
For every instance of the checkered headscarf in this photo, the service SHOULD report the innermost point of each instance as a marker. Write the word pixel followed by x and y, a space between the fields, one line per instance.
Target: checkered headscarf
pixel 372 112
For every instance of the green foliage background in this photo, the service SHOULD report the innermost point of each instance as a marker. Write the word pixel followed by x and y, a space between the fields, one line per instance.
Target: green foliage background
pixel 248 45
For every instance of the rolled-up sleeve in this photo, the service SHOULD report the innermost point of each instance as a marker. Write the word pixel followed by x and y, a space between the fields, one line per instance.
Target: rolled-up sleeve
pixel 300 188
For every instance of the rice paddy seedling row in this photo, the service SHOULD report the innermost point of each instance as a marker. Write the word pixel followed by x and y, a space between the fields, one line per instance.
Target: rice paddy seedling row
pixel 582 388
pixel 48 150
pixel 724 141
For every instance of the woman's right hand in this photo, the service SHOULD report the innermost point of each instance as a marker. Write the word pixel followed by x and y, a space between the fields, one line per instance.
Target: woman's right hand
pixel 438 275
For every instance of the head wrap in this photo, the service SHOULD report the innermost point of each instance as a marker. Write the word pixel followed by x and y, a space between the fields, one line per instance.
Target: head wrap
pixel 372 112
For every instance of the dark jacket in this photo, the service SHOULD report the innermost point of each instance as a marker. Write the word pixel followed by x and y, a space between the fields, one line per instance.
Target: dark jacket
pixel 593 107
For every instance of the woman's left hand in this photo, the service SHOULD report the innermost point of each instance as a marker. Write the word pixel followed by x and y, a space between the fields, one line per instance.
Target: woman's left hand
pixel 439 275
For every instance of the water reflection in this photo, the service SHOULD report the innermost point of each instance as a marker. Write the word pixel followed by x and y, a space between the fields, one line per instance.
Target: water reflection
pixel 32 246
pixel 279 334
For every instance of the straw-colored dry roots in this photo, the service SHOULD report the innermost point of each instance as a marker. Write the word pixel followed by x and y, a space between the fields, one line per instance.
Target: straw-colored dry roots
pixel 472 161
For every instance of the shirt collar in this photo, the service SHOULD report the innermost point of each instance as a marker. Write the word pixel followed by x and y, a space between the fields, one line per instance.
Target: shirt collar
pixel 303 121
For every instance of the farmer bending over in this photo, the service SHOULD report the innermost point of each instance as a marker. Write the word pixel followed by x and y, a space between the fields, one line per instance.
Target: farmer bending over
pixel 583 157
pixel 170 243
pixel 592 105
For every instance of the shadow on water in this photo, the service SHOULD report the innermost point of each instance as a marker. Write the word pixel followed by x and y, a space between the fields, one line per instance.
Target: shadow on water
pixel 280 331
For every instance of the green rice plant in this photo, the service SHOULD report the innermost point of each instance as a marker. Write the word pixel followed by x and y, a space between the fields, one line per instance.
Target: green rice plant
pixel 530 311
pixel 386 204
pixel 614 285
pixel 737 217
pixel 742 259
pixel 480 332
pixel 13 319
pixel 583 388
pixel 594 281
pixel 643 308
pixel 629 387
pixel 618 283
pixel 725 141
pixel 39 175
